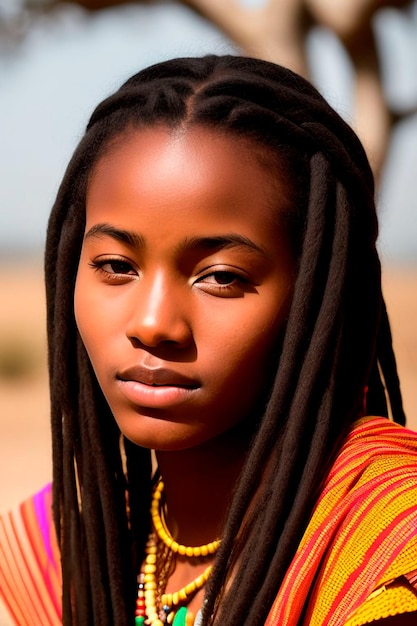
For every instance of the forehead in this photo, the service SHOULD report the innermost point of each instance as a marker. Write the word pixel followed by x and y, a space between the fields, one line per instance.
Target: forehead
pixel 197 153
pixel 194 176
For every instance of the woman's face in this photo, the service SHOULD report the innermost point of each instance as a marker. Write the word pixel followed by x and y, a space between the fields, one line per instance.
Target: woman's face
pixel 184 283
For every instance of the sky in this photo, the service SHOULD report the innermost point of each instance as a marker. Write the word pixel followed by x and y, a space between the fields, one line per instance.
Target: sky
pixel 50 84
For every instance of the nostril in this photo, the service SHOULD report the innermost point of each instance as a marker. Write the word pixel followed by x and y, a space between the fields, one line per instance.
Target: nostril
pixel 135 342
pixel 151 343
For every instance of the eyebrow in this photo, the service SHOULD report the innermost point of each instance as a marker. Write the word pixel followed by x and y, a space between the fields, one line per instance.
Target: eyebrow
pixel 119 234
pixel 224 241
pixel 213 242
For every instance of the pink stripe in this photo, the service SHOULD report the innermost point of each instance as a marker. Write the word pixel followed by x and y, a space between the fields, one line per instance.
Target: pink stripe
pixel 44 522
pixel 43 516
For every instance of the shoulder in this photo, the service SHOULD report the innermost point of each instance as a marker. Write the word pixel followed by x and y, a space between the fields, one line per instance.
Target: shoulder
pixel 369 504
pixel 373 480
pixel 374 437
pixel 377 460
pixel 30 564
pixel 372 488
pixel 362 535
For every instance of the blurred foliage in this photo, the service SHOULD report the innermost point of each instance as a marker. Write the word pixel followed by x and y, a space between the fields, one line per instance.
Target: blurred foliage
pixel 276 30
pixel 18 17
pixel 19 359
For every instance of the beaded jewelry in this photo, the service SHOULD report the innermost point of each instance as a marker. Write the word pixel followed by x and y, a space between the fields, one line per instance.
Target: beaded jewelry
pixel 161 551
pixel 163 533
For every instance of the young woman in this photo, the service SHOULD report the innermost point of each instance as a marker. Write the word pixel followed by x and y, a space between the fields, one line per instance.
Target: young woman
pixel 214 296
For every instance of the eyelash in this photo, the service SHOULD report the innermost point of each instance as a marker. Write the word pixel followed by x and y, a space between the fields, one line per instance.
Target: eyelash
pixel 236 280
pixel 113 276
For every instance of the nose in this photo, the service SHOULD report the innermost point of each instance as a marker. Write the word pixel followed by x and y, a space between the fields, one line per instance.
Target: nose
pixel 158 314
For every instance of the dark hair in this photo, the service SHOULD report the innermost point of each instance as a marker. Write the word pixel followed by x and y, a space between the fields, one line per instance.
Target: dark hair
pixel 337 342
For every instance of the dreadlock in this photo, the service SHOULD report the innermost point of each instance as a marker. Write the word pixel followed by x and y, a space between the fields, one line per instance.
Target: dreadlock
pixel 337 342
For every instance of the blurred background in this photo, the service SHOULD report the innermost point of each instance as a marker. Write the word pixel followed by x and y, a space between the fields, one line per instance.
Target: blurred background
pixel 59 59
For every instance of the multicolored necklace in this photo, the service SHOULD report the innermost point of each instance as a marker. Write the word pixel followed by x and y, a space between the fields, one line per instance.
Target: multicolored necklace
pixel 154 607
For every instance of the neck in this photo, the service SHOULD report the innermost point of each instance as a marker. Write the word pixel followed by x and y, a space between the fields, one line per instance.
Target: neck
pixel 199 484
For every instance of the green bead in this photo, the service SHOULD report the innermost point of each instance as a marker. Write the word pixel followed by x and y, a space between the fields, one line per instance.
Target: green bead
pixel 139 620
pixel 180 617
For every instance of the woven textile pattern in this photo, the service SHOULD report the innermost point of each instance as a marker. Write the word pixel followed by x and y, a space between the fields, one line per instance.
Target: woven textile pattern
pixel 30 577
pixel 361 542
pixel 356 563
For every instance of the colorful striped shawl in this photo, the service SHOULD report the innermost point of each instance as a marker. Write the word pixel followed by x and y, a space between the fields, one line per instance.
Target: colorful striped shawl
pixel 362 535
pixel 30 572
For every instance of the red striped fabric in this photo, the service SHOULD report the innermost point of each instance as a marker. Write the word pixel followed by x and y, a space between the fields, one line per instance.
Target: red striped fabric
pixel 362 534
pixel 363 531
pixel 30 583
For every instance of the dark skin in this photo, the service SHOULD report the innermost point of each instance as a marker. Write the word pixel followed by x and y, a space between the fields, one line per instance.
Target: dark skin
pixel 192 273
pixel 196 505
pixel 197 491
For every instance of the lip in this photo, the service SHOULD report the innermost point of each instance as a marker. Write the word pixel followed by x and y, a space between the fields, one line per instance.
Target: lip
pixel 155 377
pixel 155 388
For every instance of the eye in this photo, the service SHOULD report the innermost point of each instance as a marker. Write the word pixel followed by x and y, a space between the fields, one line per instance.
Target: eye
pixel 114 269
pixel 117 267
pixel 223 283
pixel 220 278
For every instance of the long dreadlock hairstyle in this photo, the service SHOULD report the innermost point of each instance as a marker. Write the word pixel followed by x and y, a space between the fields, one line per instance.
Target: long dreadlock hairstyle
pixel 337 343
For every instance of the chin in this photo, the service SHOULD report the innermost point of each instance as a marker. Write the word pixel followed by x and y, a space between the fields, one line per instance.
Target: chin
pixel 164 438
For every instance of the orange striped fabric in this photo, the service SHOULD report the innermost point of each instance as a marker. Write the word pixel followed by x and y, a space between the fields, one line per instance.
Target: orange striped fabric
pixel 362 537
pixel 351 566
pixel 30 580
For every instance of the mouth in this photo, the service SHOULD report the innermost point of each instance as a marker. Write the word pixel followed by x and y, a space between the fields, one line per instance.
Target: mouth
pixel 155 388
pixel 158 377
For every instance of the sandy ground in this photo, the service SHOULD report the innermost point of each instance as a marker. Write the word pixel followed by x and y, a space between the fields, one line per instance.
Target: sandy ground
pixel 25 464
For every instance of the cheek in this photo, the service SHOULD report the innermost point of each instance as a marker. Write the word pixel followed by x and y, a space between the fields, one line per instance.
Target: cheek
pixel 264 325
pixel 248 357
pixel 262 343
pixel 88 316
pixel 82 305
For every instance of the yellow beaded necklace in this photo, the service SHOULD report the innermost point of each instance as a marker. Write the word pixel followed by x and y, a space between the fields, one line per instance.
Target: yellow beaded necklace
pixel 161 550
